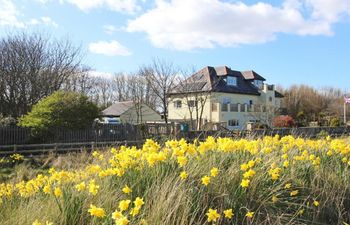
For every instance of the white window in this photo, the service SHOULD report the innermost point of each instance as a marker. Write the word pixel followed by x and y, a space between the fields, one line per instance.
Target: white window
pixel 234 107
pixel 233 123
pixel 231 81
pixel 258 83
pixel 178 104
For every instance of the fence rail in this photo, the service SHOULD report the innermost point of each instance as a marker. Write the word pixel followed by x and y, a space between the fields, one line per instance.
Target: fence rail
pixel 35 149
pixel 101 133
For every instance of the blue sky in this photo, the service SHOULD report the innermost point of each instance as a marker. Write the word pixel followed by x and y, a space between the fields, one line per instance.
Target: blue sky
pixel 286 41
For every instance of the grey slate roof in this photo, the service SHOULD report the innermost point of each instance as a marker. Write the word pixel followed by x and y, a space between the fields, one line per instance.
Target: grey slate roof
pixel 118 108
pixel 212 79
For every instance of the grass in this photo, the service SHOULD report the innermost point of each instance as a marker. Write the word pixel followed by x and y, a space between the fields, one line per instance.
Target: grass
pixel 153 174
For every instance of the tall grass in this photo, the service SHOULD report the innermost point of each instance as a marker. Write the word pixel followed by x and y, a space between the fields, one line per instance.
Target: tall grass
pixel 171 200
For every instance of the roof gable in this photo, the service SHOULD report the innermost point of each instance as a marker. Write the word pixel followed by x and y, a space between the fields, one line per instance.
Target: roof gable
pixel 118 108
pixel 252 75
pixel 213 79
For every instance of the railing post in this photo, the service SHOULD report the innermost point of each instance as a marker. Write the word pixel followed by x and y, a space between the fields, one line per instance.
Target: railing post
pixel 14 148
pixel 92 146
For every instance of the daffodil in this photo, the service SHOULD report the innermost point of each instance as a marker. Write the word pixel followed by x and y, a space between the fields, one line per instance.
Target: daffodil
pixel 58 192
pixel 212 215
pixel 126 189
pixel 214 172
pixel 245 183
pixel 228 213
pixel 294 193
pixel 183 175
pixel 124 205
pixel 97 212
pixel 205 180
pixel 249 214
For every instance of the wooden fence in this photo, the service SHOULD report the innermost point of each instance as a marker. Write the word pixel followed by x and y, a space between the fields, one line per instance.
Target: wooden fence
pixel 306 132
pixel 100 133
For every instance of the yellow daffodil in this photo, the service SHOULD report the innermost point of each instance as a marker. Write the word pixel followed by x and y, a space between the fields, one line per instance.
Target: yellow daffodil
pixel 126 189
pixel 214 172
pixel 249 214
pixel 205 180
pixel 97 212
pixel 245 183
pixel 294 193
pixel 183 175
pixel 124 205
pixel 228 213
pixel 212 215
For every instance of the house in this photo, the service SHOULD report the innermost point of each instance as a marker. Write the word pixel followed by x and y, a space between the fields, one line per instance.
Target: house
pixel 222 95
pixel 130 112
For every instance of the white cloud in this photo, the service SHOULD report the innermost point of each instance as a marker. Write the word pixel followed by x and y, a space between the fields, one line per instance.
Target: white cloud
pixel 128 6
pixel 9 14
pixel 112 48
pixel 44 21
pixel 191 24
pixel 109 29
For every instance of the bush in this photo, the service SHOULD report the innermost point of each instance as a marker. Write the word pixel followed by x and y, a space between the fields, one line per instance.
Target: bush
pixel 335 122
pixel 283 121
pixel 68 110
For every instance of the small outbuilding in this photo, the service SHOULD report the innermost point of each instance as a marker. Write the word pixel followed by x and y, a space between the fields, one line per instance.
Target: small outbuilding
pixel 131 112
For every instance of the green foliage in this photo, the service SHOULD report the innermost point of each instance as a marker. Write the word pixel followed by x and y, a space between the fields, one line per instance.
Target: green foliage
pixel 322 134
pixel 335 122
pixel 7 121
pixel 61 109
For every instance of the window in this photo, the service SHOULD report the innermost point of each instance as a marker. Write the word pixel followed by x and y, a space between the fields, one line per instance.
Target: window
pixel 270 99
pixel 224 107
pixel 192 103
pixel 234 107
pixel 177 104
pixel 258 83
pixel 233 123
pixel 231 81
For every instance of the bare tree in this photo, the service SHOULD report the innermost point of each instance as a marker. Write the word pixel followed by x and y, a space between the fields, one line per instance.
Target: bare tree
pixel 160 77
pixel 81 81
pixel 32 67
pixel 103 91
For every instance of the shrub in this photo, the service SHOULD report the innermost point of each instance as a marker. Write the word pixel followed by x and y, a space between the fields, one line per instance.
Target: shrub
pixel 335 122
pixel 283 121
pixel 61 109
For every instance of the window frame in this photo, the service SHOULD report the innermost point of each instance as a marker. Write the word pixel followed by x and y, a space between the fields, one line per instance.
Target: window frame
pixel 178 104
pixel 229 80
pixel 233 123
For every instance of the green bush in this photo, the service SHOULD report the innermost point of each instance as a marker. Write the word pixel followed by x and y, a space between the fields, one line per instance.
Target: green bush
pixel 335 122
pixel 68 110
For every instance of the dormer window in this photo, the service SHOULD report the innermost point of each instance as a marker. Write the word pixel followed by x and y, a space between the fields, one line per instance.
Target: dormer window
pixel 258 83
pixel 231 81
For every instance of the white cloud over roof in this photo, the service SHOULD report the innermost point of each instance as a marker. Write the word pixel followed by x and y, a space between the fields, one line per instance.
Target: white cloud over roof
pixel 191 24
pixel 112 48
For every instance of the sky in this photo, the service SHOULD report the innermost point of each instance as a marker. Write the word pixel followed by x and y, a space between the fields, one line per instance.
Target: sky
pixel 286 41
